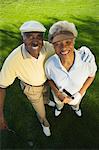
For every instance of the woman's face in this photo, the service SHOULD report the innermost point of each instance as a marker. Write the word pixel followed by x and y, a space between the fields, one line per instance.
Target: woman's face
pixel 64 48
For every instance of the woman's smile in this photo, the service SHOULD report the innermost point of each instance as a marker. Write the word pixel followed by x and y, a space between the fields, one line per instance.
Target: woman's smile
pixel 65 52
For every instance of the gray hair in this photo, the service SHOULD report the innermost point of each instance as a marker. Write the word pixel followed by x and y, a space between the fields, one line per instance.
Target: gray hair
pixel 60 27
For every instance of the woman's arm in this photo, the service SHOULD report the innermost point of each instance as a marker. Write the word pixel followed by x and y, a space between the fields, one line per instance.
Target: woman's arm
pixel 86 85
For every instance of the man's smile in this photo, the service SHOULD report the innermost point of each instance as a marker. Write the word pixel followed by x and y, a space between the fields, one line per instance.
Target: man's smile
pixel 35 47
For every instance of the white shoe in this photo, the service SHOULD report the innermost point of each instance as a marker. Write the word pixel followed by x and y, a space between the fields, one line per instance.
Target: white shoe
pixel 21 85
pixel 46 130
pixel 57 112
pixel 78 112
pixel 51 103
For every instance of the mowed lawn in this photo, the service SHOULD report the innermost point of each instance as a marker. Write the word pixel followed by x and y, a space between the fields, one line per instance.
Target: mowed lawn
pixel 68 131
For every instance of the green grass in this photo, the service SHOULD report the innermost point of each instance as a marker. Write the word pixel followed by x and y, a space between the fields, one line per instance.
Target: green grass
pixel 68 131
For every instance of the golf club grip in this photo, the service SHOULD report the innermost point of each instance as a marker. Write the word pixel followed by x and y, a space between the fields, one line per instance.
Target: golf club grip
pixel 68 93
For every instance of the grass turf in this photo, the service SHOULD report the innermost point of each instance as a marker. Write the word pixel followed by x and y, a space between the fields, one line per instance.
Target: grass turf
pixel 68 131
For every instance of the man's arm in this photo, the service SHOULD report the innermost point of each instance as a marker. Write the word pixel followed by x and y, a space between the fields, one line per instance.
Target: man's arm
pixel 3 124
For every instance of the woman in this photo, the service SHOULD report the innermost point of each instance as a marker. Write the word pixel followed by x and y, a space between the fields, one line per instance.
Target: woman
pixel 69 77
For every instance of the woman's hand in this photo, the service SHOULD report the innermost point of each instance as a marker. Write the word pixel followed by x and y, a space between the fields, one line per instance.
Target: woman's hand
pixel 67 100
pixel 64 99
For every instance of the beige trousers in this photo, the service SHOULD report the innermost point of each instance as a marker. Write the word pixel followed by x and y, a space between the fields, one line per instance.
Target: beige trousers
pixel 38 96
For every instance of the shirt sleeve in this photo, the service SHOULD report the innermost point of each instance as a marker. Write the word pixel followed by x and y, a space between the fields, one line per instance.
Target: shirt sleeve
pixel 47 71
pixel 7 74
pixel 50 49
pixel 92 69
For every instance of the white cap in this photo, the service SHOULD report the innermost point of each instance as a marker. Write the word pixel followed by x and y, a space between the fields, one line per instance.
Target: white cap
pixel 30 26
pixel 60 27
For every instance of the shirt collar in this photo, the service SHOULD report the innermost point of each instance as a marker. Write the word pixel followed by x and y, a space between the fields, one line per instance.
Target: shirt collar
pixel 60 64
pixel 75 64
pixel 26 55
pixel 77 60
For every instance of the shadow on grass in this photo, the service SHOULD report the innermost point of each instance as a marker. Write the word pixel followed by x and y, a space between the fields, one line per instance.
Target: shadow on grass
pixel 9 39
pixel 68 131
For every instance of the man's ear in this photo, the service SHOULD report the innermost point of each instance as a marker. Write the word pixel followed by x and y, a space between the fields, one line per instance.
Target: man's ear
pixel 23 39
pixel 23 36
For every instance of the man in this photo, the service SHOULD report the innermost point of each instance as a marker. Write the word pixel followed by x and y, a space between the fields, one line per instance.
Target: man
pixel 26 63
pixel 69 77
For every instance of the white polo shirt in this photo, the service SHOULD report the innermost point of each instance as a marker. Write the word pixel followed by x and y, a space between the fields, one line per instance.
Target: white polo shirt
pixel 22 65
pixel 73 79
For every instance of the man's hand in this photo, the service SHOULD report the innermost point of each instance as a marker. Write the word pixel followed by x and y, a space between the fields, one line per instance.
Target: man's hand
pixel 86 54
pixel 76 100
pixel 3 124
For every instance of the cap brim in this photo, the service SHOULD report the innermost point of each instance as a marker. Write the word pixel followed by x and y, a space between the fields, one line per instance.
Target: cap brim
pixel 61 37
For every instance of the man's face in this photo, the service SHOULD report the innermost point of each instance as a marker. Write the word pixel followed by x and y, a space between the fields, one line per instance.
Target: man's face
pixel 33 42
pixel 64 48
